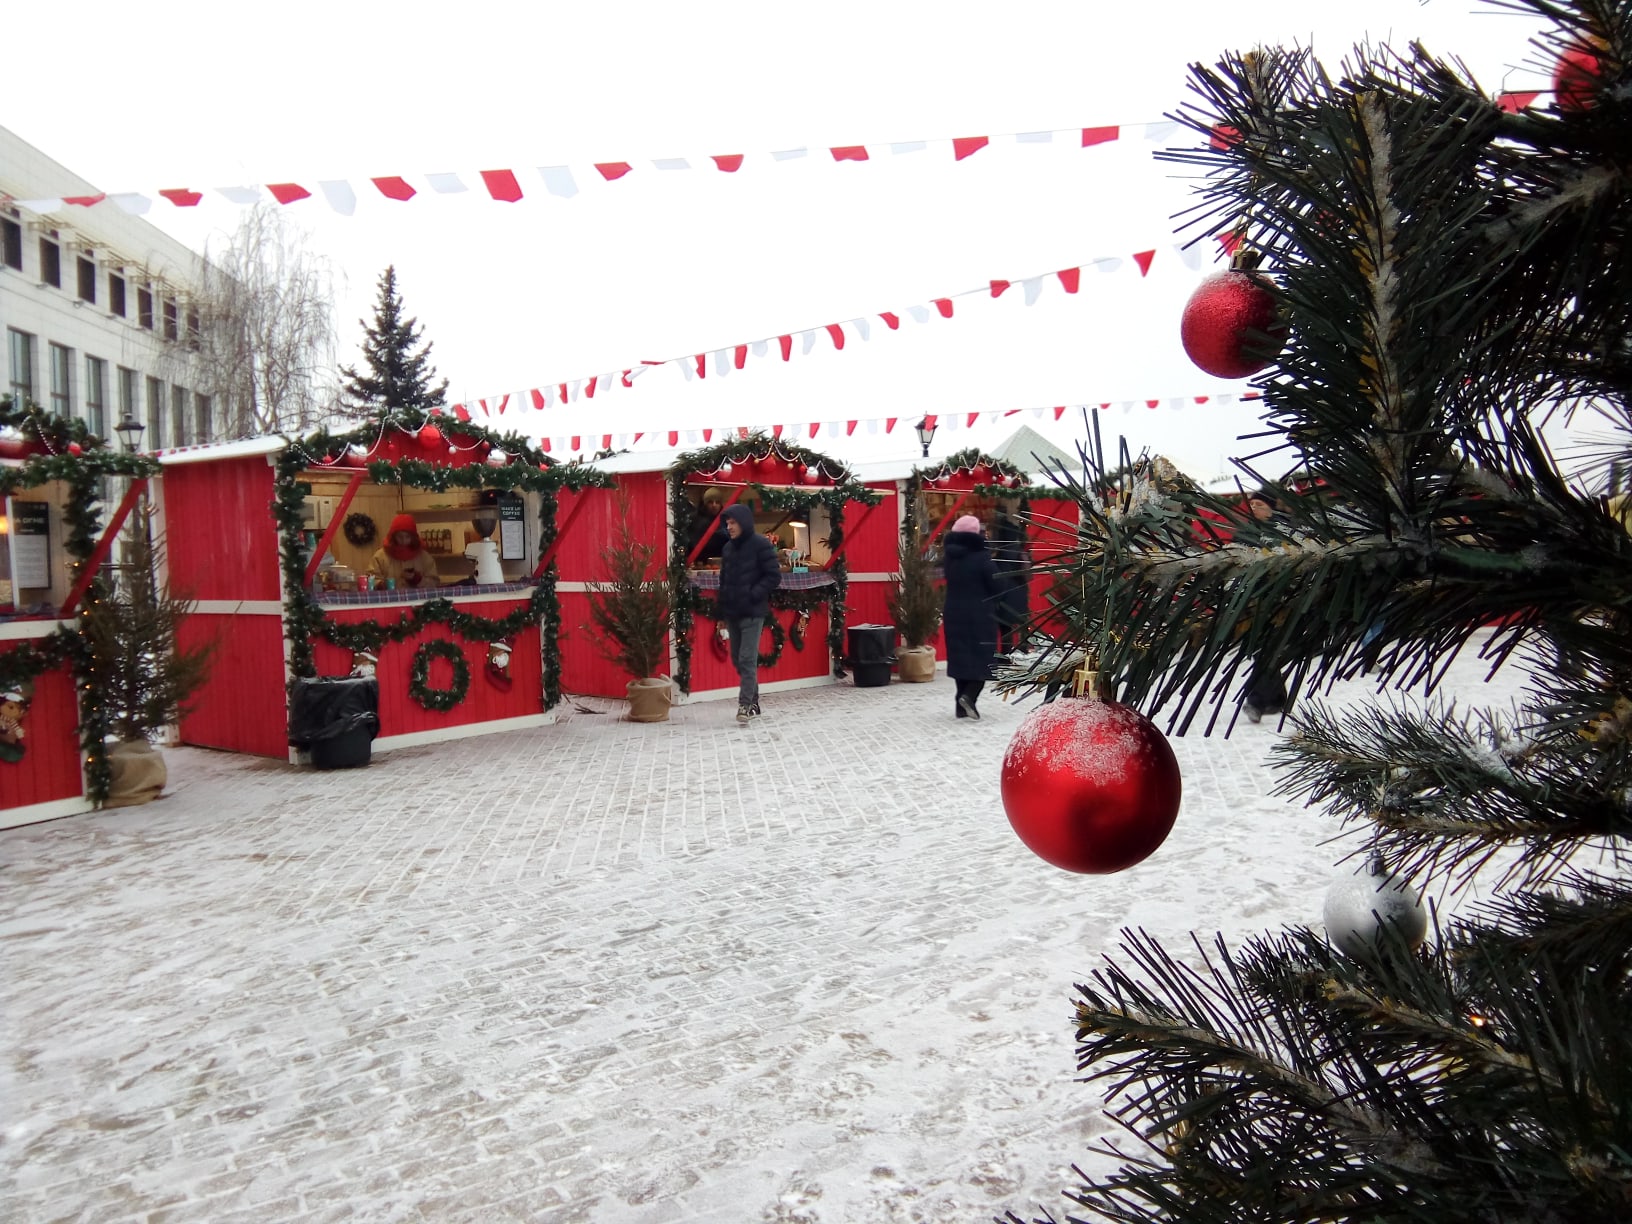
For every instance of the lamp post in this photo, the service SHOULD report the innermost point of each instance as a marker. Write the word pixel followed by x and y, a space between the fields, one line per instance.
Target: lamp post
pixel 130 433
pixel 926 432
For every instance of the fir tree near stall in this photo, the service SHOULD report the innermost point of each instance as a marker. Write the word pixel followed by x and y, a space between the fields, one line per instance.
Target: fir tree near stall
pixel 399 375
pixel 1451 272
pixel 631 613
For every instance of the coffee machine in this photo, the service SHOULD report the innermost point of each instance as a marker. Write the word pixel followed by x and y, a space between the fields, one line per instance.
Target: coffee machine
pixel 485 551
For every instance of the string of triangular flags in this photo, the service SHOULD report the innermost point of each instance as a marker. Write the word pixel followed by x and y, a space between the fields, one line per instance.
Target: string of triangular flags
pixel 721 362
pixel 506 185
pixel 575 443
pixel 509 185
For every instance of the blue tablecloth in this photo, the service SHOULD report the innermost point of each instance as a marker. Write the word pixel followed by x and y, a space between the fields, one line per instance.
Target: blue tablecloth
pixel 709 580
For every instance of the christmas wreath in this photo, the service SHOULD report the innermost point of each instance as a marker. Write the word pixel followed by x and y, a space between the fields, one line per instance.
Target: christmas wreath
pixel 360 530
pixel 419 687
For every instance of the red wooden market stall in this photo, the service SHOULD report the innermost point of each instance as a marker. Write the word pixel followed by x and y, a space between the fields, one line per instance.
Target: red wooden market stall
pixel 806 500
pixel 53 544
pixel 296 568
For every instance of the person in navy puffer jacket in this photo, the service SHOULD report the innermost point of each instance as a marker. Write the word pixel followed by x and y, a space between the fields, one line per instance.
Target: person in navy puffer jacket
pixel 748 574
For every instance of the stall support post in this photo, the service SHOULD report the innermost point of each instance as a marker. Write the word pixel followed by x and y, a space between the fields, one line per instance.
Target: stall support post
pixel 956 506
pixel 104 546
pixel 335 520
pixel 560 534
pixel 848 536
pixel 713 527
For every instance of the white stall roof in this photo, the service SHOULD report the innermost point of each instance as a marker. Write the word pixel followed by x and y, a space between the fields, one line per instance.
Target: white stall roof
pixel 209 452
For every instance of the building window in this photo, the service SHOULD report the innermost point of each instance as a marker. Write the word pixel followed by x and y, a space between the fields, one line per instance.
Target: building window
pixel 22 367
pixel 96 396
pixel 178 416
pixel 62 400
pixel 87 279
pixel 11 239
pixel 155 413
pixel 201 418
pixel 193 335
pixel 144 308
pixel 127 395
pixel 116 294
pixel 172 320
pixel 50 262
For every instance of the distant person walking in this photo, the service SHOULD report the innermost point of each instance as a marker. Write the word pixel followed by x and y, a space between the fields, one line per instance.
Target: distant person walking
pixel 748 574
pixel 1009 555
pixel 970 615
pixel 1266 687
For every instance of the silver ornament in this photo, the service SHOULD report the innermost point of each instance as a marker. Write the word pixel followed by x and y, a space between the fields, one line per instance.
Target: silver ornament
pixel 1360 905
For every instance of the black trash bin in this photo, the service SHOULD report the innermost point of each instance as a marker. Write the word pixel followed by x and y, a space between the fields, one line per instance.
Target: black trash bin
pixel 335 718
pixel 872 654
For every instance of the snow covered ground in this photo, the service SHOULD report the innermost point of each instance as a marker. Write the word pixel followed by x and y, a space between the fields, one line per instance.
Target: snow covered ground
pixel 802 971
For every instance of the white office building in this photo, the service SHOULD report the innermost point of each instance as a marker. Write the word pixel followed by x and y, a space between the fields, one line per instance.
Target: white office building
pixel 97 307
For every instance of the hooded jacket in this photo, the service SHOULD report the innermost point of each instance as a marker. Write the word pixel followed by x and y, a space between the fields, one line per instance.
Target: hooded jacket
pixel 970 616
pixel 748 570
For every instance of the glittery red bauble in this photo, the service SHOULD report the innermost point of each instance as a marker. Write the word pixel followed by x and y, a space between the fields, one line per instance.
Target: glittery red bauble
pixel 1575 79
pixel 1219 320
pixel 74 448
pixel 430 437
pixel 1090 786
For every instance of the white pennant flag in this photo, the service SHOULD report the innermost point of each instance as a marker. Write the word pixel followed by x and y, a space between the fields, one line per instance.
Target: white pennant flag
pixel 759 347
pixel 340 196
pixel 558 181
pixel 573 388
pixel 872 426
pixel 1033 285
pixel 1161 131
pixel 909 146
pixel 1110 264
pixel 788 154
pixel 671 163
pixel 445 184
pixel 685 367
pixel 548 392
pixel 920 314
pixel 807 341
pixel 691 437
pixel 1034 138
pixel 722 362
pixel 1192 256
pixel 863 328
pixel 132 202
pixel 240 195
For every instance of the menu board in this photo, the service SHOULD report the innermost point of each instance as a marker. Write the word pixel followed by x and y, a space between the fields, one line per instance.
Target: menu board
pixel 512 529
pixel 30 539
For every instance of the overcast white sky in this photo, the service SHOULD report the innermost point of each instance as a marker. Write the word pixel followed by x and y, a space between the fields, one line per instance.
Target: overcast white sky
pixel 659 264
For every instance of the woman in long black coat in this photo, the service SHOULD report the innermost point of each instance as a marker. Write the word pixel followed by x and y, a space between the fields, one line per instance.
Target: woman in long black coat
pixel 970 615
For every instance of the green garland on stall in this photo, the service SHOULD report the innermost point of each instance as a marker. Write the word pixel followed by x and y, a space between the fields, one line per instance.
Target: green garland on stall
pixel 83 472
pixel 529 470
pixel 689 602
pixel 419 688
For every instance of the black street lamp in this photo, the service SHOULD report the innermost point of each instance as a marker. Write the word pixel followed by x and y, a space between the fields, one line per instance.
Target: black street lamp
pixel 926 432
pixel 130 433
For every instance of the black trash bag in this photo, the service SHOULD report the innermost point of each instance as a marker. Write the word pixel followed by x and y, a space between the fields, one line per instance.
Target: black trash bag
pixel 335 718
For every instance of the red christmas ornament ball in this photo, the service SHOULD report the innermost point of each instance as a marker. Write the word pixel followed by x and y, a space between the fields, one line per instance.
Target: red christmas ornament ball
pixel 1575 79
pixel 430 437
pixel 74 448
pixel 1219 320
pixel 1090 786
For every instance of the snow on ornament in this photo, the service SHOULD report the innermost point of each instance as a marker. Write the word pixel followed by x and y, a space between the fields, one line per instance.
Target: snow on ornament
pixel 1225 323
pixel 1361 905
pixel 1090 785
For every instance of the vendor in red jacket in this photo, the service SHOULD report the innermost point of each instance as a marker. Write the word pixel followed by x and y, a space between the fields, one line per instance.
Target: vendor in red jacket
pixel 403 556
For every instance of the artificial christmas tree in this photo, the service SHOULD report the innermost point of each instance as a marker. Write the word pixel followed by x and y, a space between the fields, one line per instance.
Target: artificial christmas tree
pixel 1452 275
pixel 398 378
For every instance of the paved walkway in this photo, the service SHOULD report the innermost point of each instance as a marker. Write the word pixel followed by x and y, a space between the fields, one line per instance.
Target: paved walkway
pixel 596 971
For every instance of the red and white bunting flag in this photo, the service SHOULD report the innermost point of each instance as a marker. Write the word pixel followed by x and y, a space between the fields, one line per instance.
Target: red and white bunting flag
pixel 558 181
pixel 1033 288
pixel 1143 259
pixel 501 185
pixel 807 341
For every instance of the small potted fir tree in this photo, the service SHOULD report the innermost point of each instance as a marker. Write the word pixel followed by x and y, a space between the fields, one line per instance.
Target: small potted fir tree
pixel 632 613
pixel 914 602
pixel 146 675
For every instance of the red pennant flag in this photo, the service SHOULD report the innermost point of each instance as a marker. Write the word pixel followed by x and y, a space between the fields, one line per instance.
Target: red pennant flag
pixel 1223 136
pixel 837 332
pixel 889 424
pixel 537 397
pixel 589 387
pixel 87 201
pixel 849 153
pixel 501 185
pixel 1155 403
pixel 1252 395
pixel 674 437
pixel 1143 258
pixel 739 356
pixel 181 197
pixel 576 443
pixel 1105 406
pixel 625 379
pixel 963 146
pixel 1059 412
pixel 849 428
pixel 394 187
pixel 287 193
pixel 1071 278
pixel 814 426
pixel 944 305
pixel 503 404
pixel 1513 103
pixel 544 445
pixel 891 320
pixel 708 435
pixel 973 417
pixel 1202 399
pixel 929 420
pixel 1229 242
pixel 1099 135
pixel 612 170
pixel 998 286
pixel 562 387
pixel 637 438
pixel 606 441
pixel 459 411
pixel 787 345
pixel 729 162
pixel 702 365
pixel 776 431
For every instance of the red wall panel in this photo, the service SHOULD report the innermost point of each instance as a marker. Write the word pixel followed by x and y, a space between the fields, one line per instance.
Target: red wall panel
pixel 221 539
pixel 871 533
pixel 590 519
pixel 49 769
pixel 1051 530
pixel 243 706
